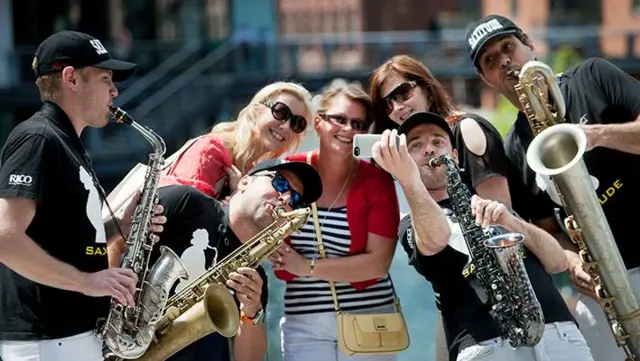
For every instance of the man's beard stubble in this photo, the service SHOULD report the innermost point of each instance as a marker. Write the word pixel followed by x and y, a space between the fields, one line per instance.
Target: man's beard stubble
pixel 433 180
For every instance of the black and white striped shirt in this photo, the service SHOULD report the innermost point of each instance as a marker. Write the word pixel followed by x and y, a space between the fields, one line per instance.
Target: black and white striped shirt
pixel 311 295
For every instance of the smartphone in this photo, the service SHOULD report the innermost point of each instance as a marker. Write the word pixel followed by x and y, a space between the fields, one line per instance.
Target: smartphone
pixel 363 144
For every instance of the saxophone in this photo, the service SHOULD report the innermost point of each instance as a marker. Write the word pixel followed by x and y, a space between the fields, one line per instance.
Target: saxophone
pixel 206 305
pixel 556 152
pixel 497 257
pixel 128 331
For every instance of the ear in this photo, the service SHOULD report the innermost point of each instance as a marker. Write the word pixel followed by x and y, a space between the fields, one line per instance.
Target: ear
pixel 244 182
pixel 69 75
pixel 316 123
pixel 454 154
pixel 528 43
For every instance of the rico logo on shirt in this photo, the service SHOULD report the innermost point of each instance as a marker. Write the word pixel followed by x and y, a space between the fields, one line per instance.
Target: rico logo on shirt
pixel 20 180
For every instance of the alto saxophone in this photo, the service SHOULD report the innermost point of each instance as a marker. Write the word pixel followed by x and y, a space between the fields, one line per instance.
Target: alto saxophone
pixel 206 305
pixel 556 152
pixel 128 331
pixel 497 257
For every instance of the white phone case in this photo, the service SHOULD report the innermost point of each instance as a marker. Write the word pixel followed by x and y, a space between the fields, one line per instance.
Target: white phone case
pixel 363 144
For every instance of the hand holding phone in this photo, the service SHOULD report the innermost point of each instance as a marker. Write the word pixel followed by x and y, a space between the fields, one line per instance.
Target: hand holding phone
pixel 363 144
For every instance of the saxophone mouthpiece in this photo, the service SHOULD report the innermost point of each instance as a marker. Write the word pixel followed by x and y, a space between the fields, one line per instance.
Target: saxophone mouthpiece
pixel 120 115
pixel 436 161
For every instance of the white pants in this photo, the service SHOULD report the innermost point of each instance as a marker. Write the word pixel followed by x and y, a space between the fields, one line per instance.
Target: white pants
pixel 314 337
pixel 83 347
pixel 561 341
pixel 596 329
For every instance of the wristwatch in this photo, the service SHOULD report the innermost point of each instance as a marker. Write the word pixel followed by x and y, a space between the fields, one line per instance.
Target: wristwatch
pixel 256 320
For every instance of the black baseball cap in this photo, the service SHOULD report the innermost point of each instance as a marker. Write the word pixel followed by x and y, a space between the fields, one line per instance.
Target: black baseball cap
pixel 306 173
pixel 485 29
pixel 76 49
pixel 425 118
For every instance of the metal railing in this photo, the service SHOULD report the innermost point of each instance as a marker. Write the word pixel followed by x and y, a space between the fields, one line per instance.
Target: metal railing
pixel 158 73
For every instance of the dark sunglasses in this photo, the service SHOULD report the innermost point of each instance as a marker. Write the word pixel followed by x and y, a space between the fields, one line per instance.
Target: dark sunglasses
pixel 400 94
pixel 281 185
pixel 358 125
pixel 283 113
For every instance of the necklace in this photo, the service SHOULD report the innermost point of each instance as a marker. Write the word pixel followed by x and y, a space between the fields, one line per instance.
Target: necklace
pixel 344 185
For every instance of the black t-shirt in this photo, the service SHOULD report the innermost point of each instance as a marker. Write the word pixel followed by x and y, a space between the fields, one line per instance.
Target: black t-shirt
pixel 494 162
pixel 595 92
pixel 466 320
pixel 43 159
pixel 480 166
pixel 197 231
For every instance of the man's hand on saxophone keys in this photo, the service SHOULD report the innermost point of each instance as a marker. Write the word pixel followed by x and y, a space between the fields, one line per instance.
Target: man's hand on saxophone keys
pixel 489 212
pixel 125 218
pixel 580 279
pixel 247 284
pixel 119 283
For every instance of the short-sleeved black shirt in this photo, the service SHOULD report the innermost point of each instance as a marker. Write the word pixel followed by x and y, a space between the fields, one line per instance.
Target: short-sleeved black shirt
pixel 595 92
pixel 43 159
pixel 494 162
pixel 197 231
pixel 479 167
pixel 465 318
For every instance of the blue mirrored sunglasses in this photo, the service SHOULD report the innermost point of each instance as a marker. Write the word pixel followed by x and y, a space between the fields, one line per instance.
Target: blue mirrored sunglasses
pixel 281 184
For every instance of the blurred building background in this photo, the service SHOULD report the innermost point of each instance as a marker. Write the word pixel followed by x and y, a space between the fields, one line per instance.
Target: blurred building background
pixel 201 60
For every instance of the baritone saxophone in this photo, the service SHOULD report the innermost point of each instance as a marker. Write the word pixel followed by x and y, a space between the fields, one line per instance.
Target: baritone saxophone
pixel 556 152
pixel 206 305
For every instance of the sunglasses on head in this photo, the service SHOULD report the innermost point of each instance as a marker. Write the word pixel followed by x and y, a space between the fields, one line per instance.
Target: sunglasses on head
pixel 281 185
pixel 358 125
pixel 283 113
pixel 399 94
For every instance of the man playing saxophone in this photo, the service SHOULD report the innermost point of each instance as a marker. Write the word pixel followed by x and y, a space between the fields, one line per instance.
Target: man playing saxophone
pixel 433 239
pixel 203 232
pixel 54 278
pixel 604 102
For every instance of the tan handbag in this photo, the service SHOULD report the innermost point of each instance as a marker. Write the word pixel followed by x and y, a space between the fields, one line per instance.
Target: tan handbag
pixel 380 333
pixel 134 180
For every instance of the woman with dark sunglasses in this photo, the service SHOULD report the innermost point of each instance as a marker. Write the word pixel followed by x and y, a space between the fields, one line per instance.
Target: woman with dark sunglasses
pixel 359 217
pixel 402 86
pixel 272 124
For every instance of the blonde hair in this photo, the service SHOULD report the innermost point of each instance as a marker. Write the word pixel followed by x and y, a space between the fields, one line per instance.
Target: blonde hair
pixel 240 136
pixel 49 87
pixel 353 92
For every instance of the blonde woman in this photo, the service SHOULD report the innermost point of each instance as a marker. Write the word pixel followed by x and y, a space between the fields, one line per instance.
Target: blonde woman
pixel 273 123
pixel 359 217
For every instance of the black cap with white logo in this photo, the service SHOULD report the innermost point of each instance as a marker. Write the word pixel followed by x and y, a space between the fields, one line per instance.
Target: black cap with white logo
pixel 486 29
pixel 309 177
pixel 76 49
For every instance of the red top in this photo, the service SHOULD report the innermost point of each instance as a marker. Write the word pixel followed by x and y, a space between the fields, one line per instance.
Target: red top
pixel 372 207
pixel 201 166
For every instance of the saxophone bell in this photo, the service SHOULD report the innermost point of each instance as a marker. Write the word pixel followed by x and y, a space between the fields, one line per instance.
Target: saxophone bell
pixel 206 305
pixel 556 154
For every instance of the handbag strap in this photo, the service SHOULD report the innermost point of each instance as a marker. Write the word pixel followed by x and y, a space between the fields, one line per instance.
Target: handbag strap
pixel 321 250
pixel 323 254
pixel 172 160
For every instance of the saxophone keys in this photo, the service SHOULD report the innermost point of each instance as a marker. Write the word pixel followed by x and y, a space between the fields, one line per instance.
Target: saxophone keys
pixel 154 238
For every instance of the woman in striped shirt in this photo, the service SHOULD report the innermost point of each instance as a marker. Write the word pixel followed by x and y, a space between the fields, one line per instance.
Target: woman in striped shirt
pixel 359 215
